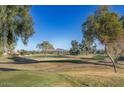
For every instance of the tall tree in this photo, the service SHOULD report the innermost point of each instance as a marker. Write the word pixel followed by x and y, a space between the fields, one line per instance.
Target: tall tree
pixel 75 47
pixel 105 26
pixel 15 22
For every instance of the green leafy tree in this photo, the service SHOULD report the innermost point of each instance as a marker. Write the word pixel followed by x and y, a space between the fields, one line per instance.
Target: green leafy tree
pixel 88 37
pixel 86 47
pixel 15 22
pixel 106 26
pixel 75 48
pixel 45 46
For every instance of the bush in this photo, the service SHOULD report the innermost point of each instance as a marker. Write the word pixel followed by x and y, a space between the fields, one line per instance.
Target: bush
pixel 74 52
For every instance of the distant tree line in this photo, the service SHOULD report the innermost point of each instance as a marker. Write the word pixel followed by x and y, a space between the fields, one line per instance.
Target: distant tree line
pixel 82 48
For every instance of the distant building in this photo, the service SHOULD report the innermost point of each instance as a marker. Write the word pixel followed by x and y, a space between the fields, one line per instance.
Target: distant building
pixel 60 50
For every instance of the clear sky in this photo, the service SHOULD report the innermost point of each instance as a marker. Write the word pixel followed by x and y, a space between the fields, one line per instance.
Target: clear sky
pixel 60 24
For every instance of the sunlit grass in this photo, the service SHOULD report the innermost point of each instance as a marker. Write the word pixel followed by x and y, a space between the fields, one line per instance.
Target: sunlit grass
pixel 58 71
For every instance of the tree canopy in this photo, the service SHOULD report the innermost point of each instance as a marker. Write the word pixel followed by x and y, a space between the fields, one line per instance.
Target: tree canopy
pixel 75 47
pixel 107 27
pixel 15 22
pixel 45 45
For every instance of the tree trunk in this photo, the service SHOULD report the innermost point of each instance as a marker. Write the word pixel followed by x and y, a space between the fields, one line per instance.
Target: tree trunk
pixel 116 61
pixel 112 60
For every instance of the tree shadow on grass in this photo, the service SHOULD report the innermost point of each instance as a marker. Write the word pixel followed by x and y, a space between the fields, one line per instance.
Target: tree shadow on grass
pixel 88 58
pixel 8 69
pixel 121 58
pixel 22 60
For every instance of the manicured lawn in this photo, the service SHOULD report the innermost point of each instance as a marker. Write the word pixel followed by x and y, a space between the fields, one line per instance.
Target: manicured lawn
pixel 44 79
pixel 59 71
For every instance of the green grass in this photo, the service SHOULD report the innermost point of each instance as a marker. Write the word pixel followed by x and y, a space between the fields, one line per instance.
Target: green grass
pixel 29 79
pixel 100 57
pixel 60 72
pixel 48 79
pixel 35 79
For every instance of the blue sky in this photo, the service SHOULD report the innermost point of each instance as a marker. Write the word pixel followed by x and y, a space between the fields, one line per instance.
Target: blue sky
pixel 60 24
